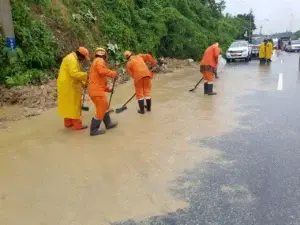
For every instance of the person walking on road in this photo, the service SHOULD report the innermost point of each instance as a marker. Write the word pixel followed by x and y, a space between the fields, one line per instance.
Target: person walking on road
pixel 71 79
pixel 208 67
pixel 97 88
pixel 269 51
pixel 137 68
pixel 262 52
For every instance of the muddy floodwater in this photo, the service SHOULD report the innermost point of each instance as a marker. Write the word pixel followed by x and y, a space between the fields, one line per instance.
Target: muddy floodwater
pixel 51 175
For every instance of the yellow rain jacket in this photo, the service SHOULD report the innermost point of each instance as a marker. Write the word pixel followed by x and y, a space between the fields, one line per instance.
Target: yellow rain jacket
pixel 269 50
pixel 69 85
pixel 262 51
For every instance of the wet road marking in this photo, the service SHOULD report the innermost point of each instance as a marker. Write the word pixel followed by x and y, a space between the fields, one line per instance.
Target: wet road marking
pixel 280 82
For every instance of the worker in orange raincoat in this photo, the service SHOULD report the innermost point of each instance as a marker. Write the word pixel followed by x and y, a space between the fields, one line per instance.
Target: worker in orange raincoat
pixel 208 67
pixel 97 88
pixel 137 68
pixel 71 79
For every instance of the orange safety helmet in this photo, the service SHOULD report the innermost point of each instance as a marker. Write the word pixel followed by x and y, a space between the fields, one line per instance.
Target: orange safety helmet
pixel 83 51
pixel 100 52
pixel 127 54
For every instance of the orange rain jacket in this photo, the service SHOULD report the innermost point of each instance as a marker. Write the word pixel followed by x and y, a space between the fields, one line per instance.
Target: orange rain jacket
pixel 137 67
pixel 98 78
pixel 211 56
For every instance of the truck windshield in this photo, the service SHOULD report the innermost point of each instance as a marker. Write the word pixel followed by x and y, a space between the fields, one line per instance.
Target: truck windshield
pixel 239 44
pixel 257 41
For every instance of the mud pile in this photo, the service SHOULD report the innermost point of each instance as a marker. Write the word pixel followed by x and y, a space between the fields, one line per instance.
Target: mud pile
pixel 33 100
pixel 43 96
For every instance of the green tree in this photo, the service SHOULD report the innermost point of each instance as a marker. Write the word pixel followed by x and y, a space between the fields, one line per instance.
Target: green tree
pixel 248 20
pixel 297 34
pixel 171 28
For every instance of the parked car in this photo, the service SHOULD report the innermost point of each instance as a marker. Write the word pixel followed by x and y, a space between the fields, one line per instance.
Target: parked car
pixel 293 46
pixel 285 41
pixel 239 50
pixel 256 45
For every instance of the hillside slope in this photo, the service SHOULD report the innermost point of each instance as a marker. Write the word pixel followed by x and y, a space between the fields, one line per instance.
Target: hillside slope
pixel 48 29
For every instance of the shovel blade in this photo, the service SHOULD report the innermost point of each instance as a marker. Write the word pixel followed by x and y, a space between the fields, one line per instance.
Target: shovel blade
pixel 119 110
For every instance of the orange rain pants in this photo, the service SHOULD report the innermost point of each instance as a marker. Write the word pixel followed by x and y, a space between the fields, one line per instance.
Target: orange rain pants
pixel 76 124
pixel 143 88
pixel 208 76
pixel 101 106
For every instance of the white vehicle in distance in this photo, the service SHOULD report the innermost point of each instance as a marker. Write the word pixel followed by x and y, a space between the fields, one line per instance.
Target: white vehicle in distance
pixel 256 42
pixel 239 50
pixel 293 46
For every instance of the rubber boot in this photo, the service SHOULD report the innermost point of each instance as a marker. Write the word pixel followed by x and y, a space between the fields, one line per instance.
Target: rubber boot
pixel 68 122
pixel 210 89
pixel 77 125
pixel 142 106
pixel 205 88
pixel 94 129
pixel 108 123
pixel 148 104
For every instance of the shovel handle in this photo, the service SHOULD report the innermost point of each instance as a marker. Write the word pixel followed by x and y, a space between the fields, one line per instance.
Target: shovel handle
pixel 128 100
pixel 83 97
pixel 112 92
pixel 198 83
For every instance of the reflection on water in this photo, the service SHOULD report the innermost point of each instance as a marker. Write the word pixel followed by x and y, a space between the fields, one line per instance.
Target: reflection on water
pixel 52 175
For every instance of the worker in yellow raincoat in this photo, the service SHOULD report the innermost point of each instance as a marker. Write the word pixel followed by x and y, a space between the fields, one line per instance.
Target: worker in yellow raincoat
pixel 269 50
pixel 71 79
pixel 262 52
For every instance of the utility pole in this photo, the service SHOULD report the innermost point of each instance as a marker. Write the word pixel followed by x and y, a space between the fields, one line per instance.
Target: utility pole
pixel 7 23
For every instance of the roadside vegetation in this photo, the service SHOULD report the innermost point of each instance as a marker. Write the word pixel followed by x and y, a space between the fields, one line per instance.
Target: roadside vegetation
pixel 46 30
pixel 296 35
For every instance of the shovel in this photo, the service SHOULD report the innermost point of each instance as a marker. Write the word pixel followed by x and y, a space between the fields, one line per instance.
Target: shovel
pixel 124 107
pixel 83 107
pixel 111 94
pixel 193 89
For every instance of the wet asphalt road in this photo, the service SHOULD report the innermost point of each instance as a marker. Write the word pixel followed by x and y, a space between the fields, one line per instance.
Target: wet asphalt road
pixel 256 181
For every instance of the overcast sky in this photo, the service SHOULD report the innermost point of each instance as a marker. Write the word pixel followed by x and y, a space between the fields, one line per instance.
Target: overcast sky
pixel 272 15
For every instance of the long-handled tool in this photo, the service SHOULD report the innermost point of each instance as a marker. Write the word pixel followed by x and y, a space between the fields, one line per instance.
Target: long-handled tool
pixel 111 94
pixel 216 74
pixel 83 107
pixel 196 85
pixel 124 107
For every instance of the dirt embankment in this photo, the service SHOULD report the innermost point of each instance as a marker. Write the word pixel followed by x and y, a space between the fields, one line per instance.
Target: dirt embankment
pixel 21 102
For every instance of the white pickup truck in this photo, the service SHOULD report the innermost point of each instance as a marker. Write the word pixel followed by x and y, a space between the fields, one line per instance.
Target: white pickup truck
pixel 256 41
pixel 239 50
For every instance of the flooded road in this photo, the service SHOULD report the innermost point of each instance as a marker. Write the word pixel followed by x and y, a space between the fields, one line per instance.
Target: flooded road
pixel 226 159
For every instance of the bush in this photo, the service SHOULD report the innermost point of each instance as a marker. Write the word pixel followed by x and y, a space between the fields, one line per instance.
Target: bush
pixel 170 28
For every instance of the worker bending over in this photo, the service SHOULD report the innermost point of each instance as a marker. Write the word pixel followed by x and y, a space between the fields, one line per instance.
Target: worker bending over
pixel 137 68
pixel 71 79
pixel 97 88
pixel 208 67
